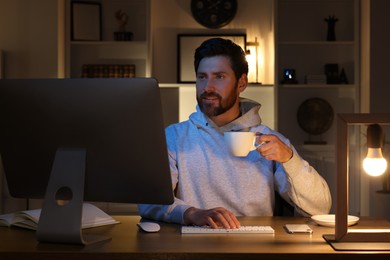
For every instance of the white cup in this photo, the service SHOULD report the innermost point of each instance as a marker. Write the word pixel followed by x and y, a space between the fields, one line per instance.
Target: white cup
pixel 240 143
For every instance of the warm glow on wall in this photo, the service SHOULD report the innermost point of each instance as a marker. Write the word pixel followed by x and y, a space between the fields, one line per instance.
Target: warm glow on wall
pixel 253 61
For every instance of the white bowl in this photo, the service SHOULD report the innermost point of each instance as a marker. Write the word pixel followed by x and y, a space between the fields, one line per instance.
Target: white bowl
pixel 329 220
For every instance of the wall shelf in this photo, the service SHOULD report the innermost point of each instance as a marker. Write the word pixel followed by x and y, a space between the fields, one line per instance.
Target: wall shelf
pixel 319 86
pixel 326 43
pixel 132 43
pixel 109 51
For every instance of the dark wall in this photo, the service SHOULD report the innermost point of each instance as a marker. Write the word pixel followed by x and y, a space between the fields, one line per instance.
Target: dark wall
pixel 380 56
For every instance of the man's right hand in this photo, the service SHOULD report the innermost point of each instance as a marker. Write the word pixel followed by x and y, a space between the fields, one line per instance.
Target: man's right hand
pixel 215 218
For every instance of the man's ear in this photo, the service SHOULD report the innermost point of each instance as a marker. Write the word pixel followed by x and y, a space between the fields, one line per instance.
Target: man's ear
pixel 242 82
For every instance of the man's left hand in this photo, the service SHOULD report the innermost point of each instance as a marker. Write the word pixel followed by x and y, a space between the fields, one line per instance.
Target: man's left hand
pixel 273 148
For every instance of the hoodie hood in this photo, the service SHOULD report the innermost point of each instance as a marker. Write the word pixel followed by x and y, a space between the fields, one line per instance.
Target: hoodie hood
pixel 249 118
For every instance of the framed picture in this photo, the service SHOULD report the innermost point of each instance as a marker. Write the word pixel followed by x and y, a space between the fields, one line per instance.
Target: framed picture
pixel 86 21
pixel 186 45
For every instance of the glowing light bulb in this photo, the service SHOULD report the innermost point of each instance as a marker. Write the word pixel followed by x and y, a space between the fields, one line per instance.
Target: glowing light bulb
pixel 374 164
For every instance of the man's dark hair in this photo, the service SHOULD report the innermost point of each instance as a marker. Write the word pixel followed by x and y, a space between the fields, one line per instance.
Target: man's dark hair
pixel 225 47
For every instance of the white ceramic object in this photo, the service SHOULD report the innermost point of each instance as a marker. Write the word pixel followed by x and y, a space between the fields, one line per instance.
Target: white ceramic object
pixel 329 220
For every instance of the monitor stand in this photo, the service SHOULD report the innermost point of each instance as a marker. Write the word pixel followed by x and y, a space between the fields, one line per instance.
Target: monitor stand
pixel 60 220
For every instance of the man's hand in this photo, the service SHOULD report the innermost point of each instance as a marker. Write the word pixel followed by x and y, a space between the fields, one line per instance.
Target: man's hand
pixel 273 148
pixel 215 218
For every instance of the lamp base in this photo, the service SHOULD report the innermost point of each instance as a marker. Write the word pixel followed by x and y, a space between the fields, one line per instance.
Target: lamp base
pixel 356 246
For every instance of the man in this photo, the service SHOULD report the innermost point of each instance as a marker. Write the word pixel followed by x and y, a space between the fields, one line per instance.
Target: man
pixel 212 187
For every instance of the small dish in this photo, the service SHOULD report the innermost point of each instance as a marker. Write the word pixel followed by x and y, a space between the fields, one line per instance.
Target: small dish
pixel 329 220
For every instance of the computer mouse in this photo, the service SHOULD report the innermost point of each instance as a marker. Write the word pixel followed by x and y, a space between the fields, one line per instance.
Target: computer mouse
pixel 149 226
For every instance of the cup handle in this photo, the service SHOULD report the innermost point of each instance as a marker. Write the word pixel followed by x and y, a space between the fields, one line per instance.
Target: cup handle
pixel 256 145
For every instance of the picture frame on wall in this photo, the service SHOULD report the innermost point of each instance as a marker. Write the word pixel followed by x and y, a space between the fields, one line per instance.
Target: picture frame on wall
pixel 86 21
pixel 186 45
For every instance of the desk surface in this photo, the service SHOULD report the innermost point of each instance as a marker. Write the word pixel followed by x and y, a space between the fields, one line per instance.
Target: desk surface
pixel 128 242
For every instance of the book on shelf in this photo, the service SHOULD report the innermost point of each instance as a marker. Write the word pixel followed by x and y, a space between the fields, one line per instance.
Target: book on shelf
pixel 316 79
pixel 92 217
pixel 108 71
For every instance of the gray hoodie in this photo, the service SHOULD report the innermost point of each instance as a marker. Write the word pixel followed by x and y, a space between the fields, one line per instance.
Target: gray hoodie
pixel 205 175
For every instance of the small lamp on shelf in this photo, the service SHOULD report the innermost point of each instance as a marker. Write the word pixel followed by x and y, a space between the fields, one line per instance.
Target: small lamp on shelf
pixel 256 58
pixel 354 239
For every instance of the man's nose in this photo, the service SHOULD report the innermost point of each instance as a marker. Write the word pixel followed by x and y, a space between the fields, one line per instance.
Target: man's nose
pixel 209 86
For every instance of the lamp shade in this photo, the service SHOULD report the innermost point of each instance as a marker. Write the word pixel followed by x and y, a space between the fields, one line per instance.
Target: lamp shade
pixel 374 136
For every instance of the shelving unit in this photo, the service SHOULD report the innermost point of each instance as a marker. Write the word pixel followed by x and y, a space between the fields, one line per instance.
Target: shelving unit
pixel 107 50
pixel 110 52
pixel 301 44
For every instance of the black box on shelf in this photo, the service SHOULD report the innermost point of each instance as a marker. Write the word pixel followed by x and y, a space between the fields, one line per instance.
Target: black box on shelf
pixel 332 73
pixel 123 36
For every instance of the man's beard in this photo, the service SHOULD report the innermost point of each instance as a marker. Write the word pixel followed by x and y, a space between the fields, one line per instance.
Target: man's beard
pixel 211 109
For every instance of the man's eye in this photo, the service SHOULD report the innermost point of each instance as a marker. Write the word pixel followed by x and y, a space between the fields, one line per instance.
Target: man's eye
pixel 220 76
pixel 201 77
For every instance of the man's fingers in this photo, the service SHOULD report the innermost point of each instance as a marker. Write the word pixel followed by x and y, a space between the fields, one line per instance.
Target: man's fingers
pixel 221 217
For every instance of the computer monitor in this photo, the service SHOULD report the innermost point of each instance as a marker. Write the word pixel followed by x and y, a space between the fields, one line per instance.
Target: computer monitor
pixel 107 133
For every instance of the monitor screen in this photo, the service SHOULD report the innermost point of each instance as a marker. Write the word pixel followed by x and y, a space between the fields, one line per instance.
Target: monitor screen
pixel 118 122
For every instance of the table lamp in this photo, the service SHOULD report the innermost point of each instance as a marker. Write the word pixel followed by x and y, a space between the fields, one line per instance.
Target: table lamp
pixel 355 239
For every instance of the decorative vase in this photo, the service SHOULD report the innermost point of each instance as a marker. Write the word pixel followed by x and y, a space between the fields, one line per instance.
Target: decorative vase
pixel 331 20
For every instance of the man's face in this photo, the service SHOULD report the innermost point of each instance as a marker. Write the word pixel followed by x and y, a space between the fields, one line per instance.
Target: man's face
pixel 216 86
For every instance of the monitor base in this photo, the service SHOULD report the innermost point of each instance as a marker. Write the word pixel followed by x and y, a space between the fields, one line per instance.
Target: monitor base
pixel 61 216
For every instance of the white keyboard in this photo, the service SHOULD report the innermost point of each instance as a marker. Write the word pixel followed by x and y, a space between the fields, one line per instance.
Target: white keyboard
pixel 241 230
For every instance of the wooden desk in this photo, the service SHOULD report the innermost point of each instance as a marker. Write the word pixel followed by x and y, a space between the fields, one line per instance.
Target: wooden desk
pixel 129 243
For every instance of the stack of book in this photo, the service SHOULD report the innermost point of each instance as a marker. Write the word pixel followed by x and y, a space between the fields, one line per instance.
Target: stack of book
pixel 92 217
pixel 316 79
pixel 108 71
